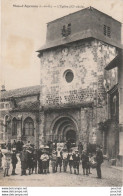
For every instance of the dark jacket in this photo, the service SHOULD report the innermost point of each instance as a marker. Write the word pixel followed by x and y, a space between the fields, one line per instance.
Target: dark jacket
pixel 99 157
pixel 14 158
pixel 76 158
pixel 85 158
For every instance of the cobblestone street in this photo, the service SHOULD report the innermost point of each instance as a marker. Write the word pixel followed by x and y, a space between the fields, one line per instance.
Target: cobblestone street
pixel 110 177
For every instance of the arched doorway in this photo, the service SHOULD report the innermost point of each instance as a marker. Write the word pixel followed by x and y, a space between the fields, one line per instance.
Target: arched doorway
pixel 71 136
pixel 63 129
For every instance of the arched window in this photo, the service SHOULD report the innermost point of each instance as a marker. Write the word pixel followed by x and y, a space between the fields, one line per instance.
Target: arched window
pixel 28 127
pixel 6 122
pixel 115 104
pixel 14 126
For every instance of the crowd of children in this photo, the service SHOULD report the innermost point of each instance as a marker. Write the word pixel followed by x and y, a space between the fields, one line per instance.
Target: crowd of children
pixel 39 160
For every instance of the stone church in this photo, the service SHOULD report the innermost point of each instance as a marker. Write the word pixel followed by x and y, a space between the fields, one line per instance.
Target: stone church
pixel 80 96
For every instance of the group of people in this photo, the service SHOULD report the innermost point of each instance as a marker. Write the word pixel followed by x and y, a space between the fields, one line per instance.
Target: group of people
pixel 38 160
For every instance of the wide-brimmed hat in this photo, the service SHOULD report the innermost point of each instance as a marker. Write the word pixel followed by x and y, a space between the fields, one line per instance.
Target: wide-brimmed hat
pixel 41 146
pixel 54 152
pixel 7 153
pixel 46 147
pixel 13 149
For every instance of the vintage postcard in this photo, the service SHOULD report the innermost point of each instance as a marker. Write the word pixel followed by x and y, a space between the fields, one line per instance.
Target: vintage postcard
pixel 61 96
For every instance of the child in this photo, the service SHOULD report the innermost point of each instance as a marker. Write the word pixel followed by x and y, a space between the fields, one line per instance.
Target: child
pixel 89 165
pixel 76 160
pixel 7 161
pixel 53 159
pixel 65 159
pixel 85 162
pixel 70 160
pixel 44 157
pixel 59 158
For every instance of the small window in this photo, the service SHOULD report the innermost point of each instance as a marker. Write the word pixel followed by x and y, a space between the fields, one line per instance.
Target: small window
pixel 68 74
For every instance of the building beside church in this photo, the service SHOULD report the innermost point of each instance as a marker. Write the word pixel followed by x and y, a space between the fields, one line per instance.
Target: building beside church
pixel 80 93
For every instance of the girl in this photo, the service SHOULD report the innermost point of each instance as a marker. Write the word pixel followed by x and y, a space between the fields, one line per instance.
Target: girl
pixel 7 162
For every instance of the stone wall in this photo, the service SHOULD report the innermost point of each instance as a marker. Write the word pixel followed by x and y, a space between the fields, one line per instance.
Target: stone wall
pixel 87 60
pixel 20 126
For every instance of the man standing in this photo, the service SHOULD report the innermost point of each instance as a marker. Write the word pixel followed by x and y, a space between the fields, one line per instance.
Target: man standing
pixel 1 155
pixel 99 160
pixel 14 161
pixel 23 158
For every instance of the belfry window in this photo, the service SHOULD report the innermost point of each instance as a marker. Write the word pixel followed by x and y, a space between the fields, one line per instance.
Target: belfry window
pixel 66 30
pixel 107 31
pixel 28 127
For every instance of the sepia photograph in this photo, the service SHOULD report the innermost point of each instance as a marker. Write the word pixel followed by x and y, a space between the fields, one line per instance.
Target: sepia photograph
pixel 61 93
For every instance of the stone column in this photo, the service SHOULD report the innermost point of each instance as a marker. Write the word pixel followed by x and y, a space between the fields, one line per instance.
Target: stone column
pixel 19 127
pixel 83 135
pixel 41 128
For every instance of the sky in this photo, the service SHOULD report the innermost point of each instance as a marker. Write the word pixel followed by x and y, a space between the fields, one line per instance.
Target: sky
pixel 23 32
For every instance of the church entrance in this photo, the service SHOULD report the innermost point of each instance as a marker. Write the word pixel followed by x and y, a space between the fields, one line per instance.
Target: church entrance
pixel 71 136
pixel 64 129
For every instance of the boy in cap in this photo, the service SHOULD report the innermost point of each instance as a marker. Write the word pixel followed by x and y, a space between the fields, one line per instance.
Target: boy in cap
pixel 76 160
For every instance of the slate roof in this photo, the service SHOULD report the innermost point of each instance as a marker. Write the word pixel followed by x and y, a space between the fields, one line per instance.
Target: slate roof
pixel 29 106
pixel 114 63
pixel 91 29
pixel 20 92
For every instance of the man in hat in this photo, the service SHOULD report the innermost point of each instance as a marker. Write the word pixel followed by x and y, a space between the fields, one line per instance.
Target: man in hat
pixel 14 161
pixel 23 158
pixel 65 159
pixel 29 159
pixel 76 160
pixel 99 160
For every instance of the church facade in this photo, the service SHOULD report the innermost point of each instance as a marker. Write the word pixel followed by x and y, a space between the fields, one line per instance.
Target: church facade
pixel 79 96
